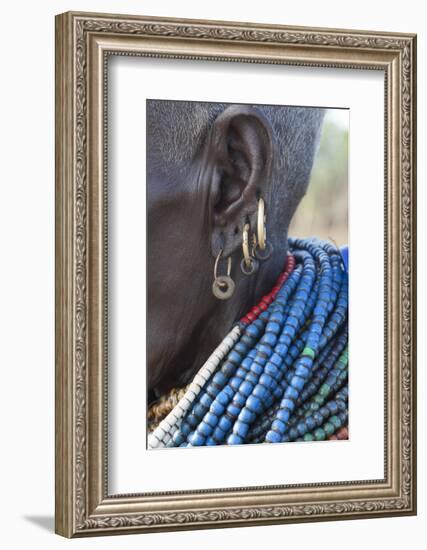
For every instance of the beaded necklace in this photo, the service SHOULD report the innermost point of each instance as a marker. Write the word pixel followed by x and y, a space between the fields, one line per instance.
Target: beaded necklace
pixel 281 374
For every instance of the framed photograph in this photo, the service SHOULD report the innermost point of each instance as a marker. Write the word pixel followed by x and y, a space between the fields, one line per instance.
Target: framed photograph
pixel 235 274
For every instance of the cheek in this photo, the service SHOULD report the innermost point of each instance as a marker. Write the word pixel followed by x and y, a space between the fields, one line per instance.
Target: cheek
pixel 177 259
pixel 167 299
pixel 177 286
pixel 165 292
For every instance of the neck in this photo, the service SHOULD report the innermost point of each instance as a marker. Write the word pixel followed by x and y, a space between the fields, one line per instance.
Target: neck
pixel 212 323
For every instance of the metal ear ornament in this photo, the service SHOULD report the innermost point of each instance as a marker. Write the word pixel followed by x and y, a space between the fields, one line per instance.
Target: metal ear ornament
pixel 263 249
pixel 249 264
pixel 223 285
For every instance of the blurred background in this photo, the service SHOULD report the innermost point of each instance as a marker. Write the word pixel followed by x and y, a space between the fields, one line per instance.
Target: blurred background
pixel 323 212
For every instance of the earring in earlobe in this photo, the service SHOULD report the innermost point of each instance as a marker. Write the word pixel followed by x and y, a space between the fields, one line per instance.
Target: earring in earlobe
pixel 263 248
pixel 223 285
pixel 248 264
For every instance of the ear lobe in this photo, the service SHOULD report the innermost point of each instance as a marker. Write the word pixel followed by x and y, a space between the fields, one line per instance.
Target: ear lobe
pixel 241 149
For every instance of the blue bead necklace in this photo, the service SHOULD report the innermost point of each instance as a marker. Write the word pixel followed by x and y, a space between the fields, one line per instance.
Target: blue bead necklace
pixel 281 374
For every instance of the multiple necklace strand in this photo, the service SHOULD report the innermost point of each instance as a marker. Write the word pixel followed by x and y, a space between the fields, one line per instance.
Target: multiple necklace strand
pixel 281 374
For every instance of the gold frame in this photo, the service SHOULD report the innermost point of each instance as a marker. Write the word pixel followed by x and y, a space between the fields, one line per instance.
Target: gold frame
pixel 83 42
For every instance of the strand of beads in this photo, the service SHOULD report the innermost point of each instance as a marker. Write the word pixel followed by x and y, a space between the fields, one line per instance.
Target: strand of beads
pixel 280 424
pixel 333 425
pixel 335 380
pixel 321 369
pixel 324 366
pixel 319 418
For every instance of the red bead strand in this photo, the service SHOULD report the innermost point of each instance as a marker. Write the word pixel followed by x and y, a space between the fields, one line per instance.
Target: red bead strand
pixel 268 298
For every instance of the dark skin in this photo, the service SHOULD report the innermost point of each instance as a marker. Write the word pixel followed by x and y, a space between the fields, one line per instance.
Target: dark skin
pixel 190 222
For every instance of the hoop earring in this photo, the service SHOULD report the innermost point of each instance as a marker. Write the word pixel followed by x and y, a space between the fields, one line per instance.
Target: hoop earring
pixel 223 285
pixel 263 248
pixel 248 265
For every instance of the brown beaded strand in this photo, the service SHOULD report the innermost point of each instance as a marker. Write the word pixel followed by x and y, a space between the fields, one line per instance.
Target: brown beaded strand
pixel 163 406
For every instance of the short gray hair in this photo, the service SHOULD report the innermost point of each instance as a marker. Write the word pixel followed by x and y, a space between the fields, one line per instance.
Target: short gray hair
pixel 176 131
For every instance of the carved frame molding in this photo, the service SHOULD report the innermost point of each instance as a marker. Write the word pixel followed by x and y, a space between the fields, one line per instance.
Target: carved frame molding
pixel 83 43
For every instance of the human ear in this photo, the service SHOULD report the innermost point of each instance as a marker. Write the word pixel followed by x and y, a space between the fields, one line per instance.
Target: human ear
pixel 238 164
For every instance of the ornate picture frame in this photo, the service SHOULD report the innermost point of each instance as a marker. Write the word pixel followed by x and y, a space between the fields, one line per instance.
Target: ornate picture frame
pixel 84 42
